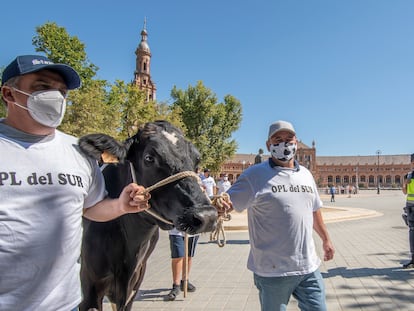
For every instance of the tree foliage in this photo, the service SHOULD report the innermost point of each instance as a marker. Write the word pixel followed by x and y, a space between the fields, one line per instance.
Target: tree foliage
pixel 60 47
pixel 131 108
pixel 87 111
pixel 207 123
pixel 119 109
pixel 98 106
pixel 3 110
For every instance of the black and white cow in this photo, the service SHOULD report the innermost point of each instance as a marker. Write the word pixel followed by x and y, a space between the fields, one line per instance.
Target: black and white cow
pixel 114 253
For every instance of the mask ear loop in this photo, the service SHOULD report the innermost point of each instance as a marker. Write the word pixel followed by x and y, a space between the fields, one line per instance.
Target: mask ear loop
pixel 21 92
pixel 16 103
pixel 64 95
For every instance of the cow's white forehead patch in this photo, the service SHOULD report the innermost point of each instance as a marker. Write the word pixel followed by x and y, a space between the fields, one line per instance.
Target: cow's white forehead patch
pixel 171 137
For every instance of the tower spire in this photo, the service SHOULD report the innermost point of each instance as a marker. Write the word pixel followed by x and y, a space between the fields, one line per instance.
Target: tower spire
pixel 142 72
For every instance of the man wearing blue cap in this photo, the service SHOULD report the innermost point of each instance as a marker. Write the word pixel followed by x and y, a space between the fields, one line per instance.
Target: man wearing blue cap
pixel 46 185
pixel 283 208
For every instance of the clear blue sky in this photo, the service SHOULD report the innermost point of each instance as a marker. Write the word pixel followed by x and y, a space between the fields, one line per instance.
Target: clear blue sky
pixel 341 71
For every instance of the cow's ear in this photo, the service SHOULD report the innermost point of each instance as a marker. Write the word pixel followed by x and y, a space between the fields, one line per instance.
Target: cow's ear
pixel 128 142
pixel 103 148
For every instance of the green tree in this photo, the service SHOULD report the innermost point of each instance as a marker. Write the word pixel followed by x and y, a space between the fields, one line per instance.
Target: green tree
pixel 88 112
pixel 3 110
pixel 207 123
pixel 87 109
pixel 131 108
pixel 117 110
pixel 60 47
pixel 166 112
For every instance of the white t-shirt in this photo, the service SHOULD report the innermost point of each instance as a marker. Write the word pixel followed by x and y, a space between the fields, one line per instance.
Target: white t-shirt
pixel 209 185
pixel 280 203
pixel 223 186
pixel 44 187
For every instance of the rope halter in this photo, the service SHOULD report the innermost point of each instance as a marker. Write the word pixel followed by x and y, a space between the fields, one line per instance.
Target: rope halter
pixel 162 183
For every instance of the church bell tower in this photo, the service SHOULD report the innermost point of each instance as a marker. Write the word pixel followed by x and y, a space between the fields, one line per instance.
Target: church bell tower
pixel 142 74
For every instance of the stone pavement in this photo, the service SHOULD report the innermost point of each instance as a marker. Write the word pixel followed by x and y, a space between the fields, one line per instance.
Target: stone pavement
pixel 371 244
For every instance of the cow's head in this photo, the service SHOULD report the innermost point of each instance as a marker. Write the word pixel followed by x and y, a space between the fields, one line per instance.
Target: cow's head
pixel 157 151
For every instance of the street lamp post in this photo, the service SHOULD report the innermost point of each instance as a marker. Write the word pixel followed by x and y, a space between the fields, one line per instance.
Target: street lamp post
pixel 378 180
pixel 356 179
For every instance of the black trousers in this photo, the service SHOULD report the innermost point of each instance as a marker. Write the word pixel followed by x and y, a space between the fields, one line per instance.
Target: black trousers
pixel 410 220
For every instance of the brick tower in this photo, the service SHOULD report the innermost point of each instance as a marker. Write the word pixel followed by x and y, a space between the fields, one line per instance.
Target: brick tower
pixel 142 74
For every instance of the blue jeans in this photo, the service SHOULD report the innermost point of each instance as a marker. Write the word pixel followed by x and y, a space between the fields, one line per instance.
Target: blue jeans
pixel 275 292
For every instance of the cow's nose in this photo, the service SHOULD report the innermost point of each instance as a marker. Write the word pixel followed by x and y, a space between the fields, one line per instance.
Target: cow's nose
pixel 208 216
pixel 201 219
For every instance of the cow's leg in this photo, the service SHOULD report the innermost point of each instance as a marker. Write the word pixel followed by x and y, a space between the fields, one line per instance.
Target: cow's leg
pixel 90 300
pixel 141 272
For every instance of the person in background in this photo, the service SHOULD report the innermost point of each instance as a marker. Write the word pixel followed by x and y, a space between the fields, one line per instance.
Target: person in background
pixel 177 247
pixel 332 191
pixel 209 184
pixel 408 190
pixel 46 185
pixel 223 184
pixel 283 207
pixel 259 158
pixel 199 173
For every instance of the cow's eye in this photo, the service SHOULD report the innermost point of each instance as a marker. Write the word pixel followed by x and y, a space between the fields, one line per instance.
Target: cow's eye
pixel 149 159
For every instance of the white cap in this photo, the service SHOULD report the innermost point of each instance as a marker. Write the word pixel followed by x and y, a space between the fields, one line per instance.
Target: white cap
pixel 280 126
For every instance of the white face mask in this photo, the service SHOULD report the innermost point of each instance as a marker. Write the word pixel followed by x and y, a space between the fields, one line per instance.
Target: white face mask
pixel 225 178
pixel 46 107
pixel 283 151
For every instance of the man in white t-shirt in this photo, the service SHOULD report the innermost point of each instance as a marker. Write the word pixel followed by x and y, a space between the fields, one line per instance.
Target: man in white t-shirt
pixel 46 186
pixel 223 184
pixel 209 183
pixel 283 208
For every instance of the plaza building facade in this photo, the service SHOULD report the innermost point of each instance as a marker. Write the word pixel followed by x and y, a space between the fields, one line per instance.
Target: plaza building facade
pixel 385 171
pixel 362 172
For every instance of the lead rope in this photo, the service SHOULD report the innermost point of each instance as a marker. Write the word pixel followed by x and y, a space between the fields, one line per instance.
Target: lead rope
pixel 161 183
pixel 218 202
pixel 219 199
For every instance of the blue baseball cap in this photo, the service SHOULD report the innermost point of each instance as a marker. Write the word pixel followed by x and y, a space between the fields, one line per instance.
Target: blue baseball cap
pixel 31 63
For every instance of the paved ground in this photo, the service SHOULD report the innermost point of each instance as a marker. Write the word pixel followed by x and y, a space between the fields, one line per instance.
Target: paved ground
pixel 371 243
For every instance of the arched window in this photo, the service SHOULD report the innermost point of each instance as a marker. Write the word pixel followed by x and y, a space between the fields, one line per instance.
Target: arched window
pixel 338 180
pixel 398 179
pixel 388 179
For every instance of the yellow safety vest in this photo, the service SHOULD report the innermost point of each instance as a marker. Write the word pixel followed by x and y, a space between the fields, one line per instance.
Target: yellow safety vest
pixel 410 191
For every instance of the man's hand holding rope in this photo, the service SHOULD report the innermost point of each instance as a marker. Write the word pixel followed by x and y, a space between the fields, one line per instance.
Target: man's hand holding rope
pixel 222 203
pixel 133 199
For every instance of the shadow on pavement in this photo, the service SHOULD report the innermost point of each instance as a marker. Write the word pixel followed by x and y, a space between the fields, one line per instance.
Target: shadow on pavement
pixel 235 242
pixel 392 273
pixel 152 294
